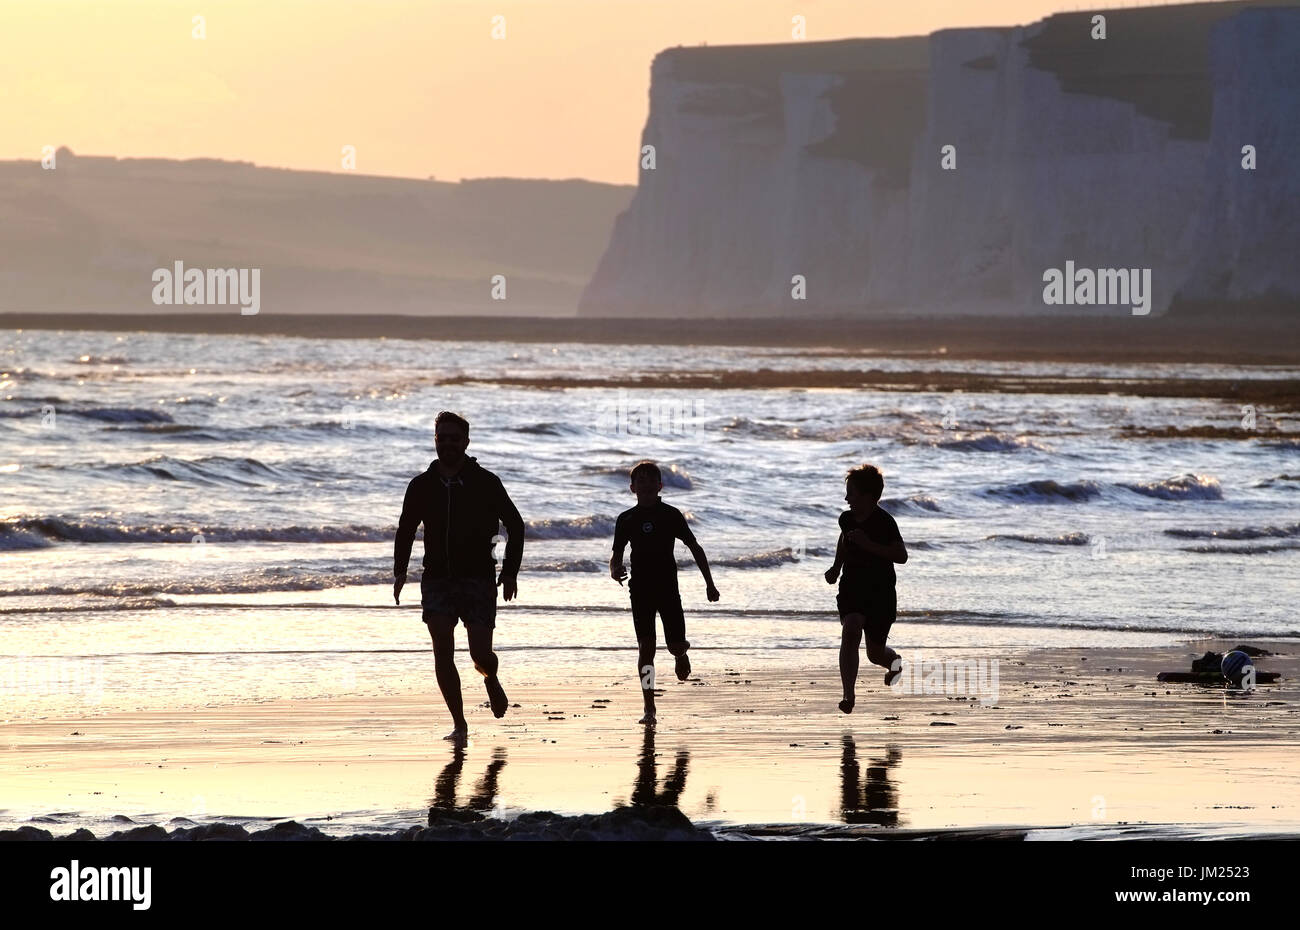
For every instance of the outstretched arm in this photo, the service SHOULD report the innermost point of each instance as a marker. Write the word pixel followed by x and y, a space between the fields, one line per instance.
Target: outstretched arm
pixel 683 532
pixel 703 562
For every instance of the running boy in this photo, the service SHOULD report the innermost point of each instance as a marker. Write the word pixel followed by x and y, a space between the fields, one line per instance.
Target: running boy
pixel 652 527
pixel 868 547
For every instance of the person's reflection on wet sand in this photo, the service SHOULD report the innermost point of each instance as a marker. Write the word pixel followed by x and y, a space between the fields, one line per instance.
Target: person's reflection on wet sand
pixel 448 780
pixel 644 793
pixel 874 801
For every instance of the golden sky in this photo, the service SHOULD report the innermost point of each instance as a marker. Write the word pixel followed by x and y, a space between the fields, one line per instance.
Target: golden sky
pixel 419 87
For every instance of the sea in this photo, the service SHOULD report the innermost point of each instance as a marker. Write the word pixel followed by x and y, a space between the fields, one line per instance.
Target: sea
pixel 189 520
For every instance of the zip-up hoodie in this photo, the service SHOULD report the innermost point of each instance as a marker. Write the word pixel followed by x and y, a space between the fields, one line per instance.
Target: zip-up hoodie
pixel 460 516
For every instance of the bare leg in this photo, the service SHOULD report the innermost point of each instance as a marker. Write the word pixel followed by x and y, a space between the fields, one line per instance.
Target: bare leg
pixel 485 660
pixel 683 665
pixel 441 629
pixel 645 671
pixel 850 638
pixel 880 654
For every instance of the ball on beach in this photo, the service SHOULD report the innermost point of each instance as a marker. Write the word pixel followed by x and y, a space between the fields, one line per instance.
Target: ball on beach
pixel 1234 666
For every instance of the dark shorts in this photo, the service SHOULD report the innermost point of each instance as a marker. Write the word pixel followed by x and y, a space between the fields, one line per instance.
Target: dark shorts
pixel 879 605
pixel 473 600
pixel 664 599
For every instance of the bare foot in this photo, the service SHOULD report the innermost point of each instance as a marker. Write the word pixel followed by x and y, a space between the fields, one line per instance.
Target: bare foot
pixel 497 697
pixel 649 717
pixel 458 735
pixel 895 669
pixel 846 705
pixel 683 667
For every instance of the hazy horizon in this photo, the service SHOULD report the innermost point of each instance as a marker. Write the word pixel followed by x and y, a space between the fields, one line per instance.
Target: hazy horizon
pixel 289 86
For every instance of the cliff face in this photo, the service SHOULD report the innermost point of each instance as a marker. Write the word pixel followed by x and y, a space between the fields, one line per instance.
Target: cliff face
pixel 1248 235
pixel 763 173
pixel 824 160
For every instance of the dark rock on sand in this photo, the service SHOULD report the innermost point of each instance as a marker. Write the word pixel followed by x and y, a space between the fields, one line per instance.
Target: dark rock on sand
pixel 439 816
pixel 24 834
pixel 291 831
pixel 623 823
pixel 212 832
pixel 150 834
pixel 81 835
pixel 620 824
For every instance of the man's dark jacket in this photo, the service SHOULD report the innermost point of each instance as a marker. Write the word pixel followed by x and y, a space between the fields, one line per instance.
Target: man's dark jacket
pixel 460 516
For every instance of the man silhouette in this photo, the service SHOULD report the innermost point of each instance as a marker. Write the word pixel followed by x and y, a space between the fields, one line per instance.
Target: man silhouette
pixel 461 505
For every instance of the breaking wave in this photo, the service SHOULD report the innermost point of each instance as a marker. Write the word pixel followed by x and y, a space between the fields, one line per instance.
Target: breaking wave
pixel 1065 539
pixel 38 532
pixel 674 476
pixel 1046 492
pixel 992 442
pixel 1244 532
pixel 239 471
pixel 1242 550
pixel 915 504
pixel 592 527
pixel 87 412
pixel 267 579
pixel 1182 487
pixel 49 530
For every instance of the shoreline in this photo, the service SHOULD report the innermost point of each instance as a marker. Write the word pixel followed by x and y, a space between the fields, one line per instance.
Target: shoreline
pixel 648 824
pixel 1266 339
pixel 1081 740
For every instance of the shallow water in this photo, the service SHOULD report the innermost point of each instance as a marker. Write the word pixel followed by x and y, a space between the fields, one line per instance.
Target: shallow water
pixel 197 518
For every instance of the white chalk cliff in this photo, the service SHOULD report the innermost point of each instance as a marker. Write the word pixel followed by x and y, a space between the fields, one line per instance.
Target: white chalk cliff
pixel 824 160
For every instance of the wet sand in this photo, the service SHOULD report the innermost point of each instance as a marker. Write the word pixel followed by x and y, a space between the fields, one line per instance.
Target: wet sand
pixel 1084 742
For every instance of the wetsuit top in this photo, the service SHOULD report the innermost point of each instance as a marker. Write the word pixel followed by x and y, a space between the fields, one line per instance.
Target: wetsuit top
pixel 860 565
pixel 652 531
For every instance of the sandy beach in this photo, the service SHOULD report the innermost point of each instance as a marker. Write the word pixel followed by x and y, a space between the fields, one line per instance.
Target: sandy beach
pixel 1077 743
pixel 213 562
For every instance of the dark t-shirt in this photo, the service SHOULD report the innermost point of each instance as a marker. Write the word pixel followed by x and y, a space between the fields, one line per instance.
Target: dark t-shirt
pixel 861 566
pixel 652 531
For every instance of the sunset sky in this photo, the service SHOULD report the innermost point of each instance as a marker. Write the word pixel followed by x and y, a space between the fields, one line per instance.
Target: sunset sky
pixel 419 87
